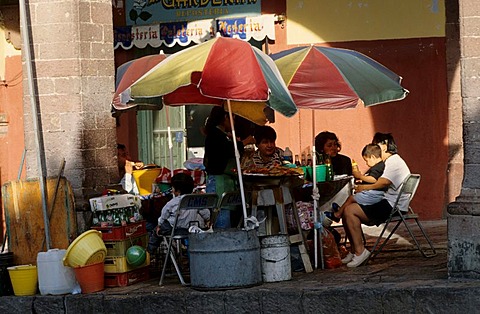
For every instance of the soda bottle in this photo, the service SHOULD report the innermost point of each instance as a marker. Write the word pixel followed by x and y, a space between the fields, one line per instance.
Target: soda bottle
pixel 328 163
pixel 287 155
pixel 309 159
pixel 297 161
pixel 304 159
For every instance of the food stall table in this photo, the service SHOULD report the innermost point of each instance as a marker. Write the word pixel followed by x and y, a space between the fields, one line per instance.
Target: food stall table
pixel 276 191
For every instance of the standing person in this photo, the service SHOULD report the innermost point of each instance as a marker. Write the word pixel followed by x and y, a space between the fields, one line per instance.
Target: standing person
pixel 328 146
pixel 125 169
pixel 395 172
pixel 219 159
pixel 372 154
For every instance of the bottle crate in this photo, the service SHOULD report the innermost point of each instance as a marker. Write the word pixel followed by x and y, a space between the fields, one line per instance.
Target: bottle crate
pixel 128 278
pixel 120 264
pixel 118 233
pixel 119 248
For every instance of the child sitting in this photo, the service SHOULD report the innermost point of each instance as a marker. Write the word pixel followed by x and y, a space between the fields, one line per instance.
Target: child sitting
pixel 372 154
pixel 181 184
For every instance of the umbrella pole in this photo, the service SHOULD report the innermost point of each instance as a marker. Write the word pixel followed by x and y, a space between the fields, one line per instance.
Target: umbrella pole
pixel 317 236
pixel 237 161
pixel 170 142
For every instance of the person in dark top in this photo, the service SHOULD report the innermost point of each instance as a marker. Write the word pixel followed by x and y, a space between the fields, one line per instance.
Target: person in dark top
pixel 327 147
pixel 372 154
pixel 219 158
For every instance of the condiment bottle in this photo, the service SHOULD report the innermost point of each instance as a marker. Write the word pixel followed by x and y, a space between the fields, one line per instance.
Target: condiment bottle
pixel 304 159
pixel 297 160
pixel 309 159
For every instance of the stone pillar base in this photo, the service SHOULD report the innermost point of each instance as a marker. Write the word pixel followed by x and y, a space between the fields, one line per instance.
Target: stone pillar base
pixel 463 223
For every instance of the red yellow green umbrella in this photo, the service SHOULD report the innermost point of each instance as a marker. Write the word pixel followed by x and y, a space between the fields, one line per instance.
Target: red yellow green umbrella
pixel 215 71
pixel 333 78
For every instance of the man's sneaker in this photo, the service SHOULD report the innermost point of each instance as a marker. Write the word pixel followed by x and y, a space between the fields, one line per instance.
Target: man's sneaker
pixel 347 259
pixel 360 259
pixel 331 216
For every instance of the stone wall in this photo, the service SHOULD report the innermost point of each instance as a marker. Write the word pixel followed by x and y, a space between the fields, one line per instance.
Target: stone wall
pixel 73 82
pixel 464 213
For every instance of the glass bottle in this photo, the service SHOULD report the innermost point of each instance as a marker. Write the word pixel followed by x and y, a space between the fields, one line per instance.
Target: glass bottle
pixel 304 159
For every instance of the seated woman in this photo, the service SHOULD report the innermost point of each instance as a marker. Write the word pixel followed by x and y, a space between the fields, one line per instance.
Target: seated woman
pixel 396 170
pixel 328 146
pixel 267 155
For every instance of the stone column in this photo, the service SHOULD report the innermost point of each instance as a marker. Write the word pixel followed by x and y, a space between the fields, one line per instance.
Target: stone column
pixel 464 213
pixel 72 47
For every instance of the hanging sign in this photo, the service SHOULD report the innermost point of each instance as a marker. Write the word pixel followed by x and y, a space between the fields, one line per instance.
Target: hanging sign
pixel 184 33
pixel 143 12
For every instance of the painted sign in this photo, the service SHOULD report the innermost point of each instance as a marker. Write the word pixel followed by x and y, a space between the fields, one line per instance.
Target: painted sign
pixel 142 12
pixel 184 33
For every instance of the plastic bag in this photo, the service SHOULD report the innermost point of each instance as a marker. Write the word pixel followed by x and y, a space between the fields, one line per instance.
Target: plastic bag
pixel 331 254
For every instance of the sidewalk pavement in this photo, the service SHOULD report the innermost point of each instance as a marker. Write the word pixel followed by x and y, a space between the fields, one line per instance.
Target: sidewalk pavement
pixel 399 279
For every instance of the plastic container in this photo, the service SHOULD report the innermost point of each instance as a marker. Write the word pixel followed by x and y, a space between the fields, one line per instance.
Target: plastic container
pixel 24 279
pixel 276 263
pixel 145 178
pixel 90 277
pixel 6 260
pixel 118 233
pixel 88 248
pixel 53 277
pixel 321 173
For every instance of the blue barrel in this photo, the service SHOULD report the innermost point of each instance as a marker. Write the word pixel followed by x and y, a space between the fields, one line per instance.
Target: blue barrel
pixel 224 259
pixel 6 260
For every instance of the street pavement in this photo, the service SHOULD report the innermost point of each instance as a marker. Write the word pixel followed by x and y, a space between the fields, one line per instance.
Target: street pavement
pixel 398 280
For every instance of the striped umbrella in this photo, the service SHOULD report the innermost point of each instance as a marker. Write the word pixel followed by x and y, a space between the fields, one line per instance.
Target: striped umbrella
pixel 220 71
pixel 334 78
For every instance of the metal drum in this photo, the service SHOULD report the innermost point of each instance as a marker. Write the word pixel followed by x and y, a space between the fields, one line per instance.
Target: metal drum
pixel 224 259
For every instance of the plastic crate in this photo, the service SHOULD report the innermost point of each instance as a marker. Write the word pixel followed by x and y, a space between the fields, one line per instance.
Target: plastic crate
pixel 128 278
pixel 120 265
pixel 119 248
pixel 118 233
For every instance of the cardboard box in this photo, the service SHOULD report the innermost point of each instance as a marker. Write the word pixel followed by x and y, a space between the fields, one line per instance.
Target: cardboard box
pixel 114 202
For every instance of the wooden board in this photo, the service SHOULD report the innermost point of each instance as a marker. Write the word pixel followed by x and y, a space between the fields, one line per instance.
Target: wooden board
pixel 22 202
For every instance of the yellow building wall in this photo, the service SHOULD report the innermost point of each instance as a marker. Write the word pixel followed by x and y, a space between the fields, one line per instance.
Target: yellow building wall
pixel 317 21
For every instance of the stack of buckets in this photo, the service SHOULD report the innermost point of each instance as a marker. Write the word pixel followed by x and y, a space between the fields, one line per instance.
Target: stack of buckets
pixel 86 255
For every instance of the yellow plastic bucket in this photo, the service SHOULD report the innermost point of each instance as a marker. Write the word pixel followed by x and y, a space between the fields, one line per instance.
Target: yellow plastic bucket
pixel 88 248
pixel 145 178
pixel 24 279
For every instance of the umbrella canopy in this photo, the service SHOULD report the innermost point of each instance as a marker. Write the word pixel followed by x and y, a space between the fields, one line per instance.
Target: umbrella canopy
pixel 212 72
pixel 130 72
pixel 334 78
pixel 222 70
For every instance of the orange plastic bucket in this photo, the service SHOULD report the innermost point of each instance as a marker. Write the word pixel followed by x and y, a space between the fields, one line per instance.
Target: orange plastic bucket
pixel 90 277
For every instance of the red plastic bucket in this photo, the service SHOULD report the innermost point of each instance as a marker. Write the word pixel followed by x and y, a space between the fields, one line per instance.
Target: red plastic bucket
pixel 90 277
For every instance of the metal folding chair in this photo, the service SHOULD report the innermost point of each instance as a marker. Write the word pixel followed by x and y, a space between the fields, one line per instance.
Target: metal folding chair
pixel 188 202
pixel 231 201
pixel 408 189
